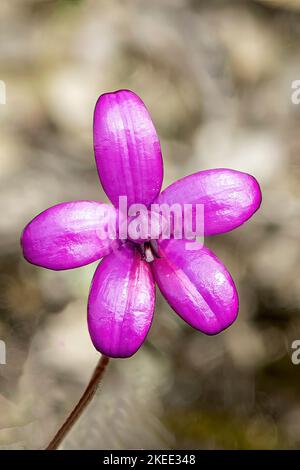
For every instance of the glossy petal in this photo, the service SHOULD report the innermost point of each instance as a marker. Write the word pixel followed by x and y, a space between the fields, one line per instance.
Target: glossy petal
pixel 69 235
pixel 196 285
pixel 229 197
pixel 121 303
pixel 127 149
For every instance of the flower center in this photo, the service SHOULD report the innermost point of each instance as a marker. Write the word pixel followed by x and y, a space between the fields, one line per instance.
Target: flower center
pixel 148 250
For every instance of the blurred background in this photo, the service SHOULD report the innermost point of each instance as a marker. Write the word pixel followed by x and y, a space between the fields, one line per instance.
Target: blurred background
pixel 217 78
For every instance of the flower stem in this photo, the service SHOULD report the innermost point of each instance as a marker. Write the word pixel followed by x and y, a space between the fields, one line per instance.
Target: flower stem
pixel 81 405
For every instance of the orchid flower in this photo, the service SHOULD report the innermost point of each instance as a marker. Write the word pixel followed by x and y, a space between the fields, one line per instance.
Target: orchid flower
pixel 122 296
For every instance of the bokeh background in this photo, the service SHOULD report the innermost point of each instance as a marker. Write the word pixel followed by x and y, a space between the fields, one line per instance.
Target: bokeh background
pixel 216 77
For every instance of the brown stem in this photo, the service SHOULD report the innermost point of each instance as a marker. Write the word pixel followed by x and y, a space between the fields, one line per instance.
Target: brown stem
pixel 81 405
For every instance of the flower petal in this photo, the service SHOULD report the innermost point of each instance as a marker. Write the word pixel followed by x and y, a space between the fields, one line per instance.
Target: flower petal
pixel 127 148
pixel 121 303
pixel 196 285
pixel 229 197
pixel 69 235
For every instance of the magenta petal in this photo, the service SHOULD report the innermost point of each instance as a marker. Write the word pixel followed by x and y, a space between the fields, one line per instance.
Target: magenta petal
pixel 121 303
pixel 229 197
pixel 196 285
pixel 69 235
pixel 127 148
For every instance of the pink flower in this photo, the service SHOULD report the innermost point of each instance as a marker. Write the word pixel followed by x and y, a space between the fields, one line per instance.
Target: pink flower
pixel 122 296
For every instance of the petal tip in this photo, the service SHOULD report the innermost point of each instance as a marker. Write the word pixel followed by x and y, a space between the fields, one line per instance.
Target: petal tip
pixel 218 328
pixel 117 96
pixel 257 194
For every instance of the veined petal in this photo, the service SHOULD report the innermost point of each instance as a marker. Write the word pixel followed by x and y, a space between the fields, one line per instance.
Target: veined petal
pixel 229 197
pixel 196 285
pixel 69 235
pixel 121 303
pixel 127 148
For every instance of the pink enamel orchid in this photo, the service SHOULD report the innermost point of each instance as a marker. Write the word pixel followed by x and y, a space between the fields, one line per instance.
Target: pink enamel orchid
pixel 122 296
